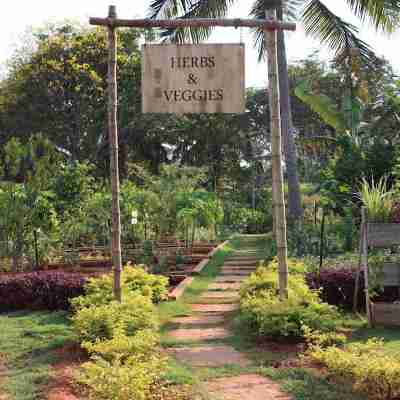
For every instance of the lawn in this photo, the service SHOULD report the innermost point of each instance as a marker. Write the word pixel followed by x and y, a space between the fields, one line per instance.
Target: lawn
pixel 28 341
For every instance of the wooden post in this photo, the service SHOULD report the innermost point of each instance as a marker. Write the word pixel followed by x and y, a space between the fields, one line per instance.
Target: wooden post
pixel 113 142
pixel 358 273
pixel 364 221
pixel 276 145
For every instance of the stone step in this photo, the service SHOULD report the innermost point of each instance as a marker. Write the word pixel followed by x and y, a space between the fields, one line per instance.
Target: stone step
pixel 245 254
pixel 199 320
pixel 241 262
pixel 224 286
pixel 222 295
pixel 231 271
pixel 215 308
pixel 244 257
pixel 241 267
pixel 229 278
pixel 200 334
pixel 210 356
pixel 246 387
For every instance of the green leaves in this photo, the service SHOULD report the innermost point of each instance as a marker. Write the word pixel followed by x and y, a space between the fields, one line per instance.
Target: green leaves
pixel 322 105
pixel 185 9
pixel 383 14
pixel 322 24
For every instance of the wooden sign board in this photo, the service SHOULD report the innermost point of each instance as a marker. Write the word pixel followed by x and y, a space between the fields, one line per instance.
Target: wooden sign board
pixel 205 78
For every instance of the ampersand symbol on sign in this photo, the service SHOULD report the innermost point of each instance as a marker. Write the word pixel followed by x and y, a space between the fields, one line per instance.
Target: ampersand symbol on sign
pixel 192 80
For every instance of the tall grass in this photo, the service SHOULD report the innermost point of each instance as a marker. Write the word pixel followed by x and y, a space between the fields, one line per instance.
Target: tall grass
pixel 378 200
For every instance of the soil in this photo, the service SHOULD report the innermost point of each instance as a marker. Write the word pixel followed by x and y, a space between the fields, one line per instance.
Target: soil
pixel 63 386
pixel 282 347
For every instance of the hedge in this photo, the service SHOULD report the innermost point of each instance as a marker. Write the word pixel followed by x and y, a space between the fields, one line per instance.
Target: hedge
pixel 337 286
pixel 44 290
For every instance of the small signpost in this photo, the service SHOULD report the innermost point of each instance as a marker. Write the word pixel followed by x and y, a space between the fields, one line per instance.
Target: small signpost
pixel 182 81
pixel 203 78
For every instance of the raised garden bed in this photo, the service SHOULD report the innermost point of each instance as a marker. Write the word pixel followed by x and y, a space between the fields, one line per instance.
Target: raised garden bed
pixel 385 314
pixel 381 235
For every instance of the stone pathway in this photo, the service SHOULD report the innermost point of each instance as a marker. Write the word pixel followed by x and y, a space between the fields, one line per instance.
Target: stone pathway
pixel 208 328
pixel 246 387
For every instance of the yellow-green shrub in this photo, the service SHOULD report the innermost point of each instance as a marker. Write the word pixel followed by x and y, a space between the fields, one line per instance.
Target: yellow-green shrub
pixel 323 339
pixel 99 322
pixel 372 371
pixel 142 344
pixel 134 279
pixel 130 378
pixel 265 315
pixel 265 279
pixel 122 338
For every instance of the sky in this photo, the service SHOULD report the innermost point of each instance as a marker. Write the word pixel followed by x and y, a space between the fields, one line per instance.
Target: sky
pixel 19 15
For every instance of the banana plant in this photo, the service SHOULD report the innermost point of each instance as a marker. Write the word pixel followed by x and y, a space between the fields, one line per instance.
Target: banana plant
pixel 330 112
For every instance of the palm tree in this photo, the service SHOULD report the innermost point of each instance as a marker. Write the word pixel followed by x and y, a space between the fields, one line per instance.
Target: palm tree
pixel 319 22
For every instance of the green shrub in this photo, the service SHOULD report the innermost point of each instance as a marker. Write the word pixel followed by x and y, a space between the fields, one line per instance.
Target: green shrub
pixel 143 344
pixel 99 290
pixel 100 322
pixel 372 371
pixel 128 379
pixel 265 315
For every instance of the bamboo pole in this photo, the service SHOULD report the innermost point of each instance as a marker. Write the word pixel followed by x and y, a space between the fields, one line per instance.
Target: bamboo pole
pixel 276 145
pixel 113 142
pixel 364 219
pixel 358 273
pixel 193 22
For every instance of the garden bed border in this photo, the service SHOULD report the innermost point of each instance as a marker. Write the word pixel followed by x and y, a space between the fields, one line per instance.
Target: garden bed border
pixel 177 292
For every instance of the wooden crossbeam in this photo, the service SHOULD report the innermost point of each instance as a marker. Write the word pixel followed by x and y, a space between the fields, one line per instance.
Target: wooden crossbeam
pixel 266 24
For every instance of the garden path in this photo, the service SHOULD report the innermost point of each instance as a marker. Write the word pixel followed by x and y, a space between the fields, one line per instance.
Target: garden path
pixel 203 338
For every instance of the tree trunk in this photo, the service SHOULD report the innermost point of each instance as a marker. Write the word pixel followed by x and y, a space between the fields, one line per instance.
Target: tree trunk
pixel 276 145
pixel 295 210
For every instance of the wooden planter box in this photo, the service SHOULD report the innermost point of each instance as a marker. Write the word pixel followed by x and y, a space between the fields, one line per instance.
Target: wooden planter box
pixel 383 234
pixel 385 314
pixel 391 274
